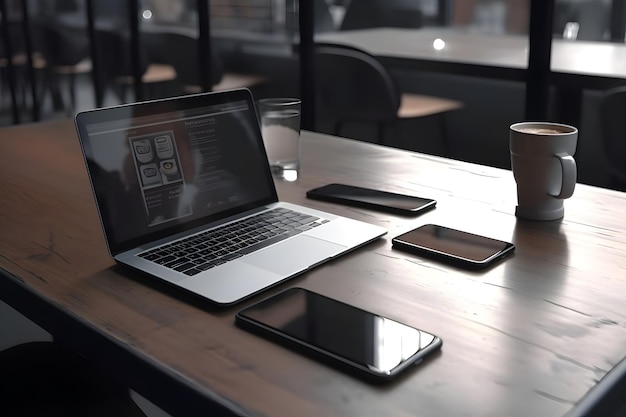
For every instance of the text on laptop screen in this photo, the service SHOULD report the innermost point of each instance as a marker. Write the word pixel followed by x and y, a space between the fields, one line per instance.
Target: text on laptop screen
pixel 156 172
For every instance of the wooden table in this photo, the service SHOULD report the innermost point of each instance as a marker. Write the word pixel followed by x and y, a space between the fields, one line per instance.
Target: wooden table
pixel 500 57
pixel 575 65
pixel 530 336
pixel 475 54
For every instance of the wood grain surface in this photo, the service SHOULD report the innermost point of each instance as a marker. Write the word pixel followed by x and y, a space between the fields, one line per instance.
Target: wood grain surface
pixel 530 336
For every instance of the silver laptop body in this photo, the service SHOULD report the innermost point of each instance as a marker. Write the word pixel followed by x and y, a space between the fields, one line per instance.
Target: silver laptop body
pixel 185 193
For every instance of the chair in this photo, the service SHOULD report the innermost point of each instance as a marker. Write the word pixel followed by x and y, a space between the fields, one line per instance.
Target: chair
pixel 66 54
pixel 180 50
pixel 22 81
pixel 114 61
pixel 362 14
pixel 613 122
pixel 352 85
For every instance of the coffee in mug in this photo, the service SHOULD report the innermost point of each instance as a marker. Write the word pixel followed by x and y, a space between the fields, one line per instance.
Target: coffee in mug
pixel 541 130
pixel 544 167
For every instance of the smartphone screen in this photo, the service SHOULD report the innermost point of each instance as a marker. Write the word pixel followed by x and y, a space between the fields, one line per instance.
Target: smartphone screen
pixel 370 198
pixel 444 243
pixel 371 344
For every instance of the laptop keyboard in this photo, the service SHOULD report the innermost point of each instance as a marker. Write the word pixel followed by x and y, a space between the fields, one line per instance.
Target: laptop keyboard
pixel 214 247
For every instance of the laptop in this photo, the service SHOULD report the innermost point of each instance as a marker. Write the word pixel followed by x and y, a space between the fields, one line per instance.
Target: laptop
pixel 185 193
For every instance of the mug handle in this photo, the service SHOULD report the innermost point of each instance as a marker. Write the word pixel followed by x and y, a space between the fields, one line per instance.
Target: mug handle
pixel 568 168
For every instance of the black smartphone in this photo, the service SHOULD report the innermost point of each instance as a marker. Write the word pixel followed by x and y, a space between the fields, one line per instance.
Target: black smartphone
pixel 370 198
pixel 360 342
pixel 455 246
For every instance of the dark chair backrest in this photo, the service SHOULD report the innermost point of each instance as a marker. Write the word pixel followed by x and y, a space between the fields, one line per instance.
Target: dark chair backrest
pixel 58 44
pixel 16 39
pixel 113 52
pixel 613 122
pixel 362 14
pixel 351 84
pixel 181 51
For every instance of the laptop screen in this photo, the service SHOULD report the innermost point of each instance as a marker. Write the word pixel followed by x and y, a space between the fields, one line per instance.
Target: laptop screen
pixel 166 166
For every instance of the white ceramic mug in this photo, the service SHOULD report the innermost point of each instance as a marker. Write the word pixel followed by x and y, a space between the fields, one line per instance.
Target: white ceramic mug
pixel 544 167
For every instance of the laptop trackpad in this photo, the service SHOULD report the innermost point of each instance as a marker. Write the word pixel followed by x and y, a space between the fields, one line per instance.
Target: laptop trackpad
pixel 294 255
